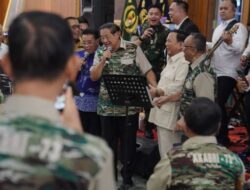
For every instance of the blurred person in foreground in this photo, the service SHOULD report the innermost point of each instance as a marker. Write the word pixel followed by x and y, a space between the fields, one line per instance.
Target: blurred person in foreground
pixel 41 149
pixel 200 163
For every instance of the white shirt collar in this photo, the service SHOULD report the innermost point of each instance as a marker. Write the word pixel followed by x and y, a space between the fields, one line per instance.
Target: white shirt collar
pixel 177 27
pixel 174 58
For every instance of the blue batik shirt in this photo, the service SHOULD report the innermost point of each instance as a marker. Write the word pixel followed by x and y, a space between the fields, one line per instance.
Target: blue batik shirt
pixel 87 99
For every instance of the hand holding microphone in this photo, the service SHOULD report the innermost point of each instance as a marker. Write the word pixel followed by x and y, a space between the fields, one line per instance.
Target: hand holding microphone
pixel 84 58
pixel 148 33
pixel 107 53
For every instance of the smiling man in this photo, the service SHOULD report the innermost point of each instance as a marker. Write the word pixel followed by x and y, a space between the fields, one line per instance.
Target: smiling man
pixel 119 57
pixel 152 39
pixel 178 12
pixel 166 109
pixel 86 100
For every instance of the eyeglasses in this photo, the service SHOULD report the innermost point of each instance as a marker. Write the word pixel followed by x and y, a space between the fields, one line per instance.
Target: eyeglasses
pixel 85 43
pixel 75 26
pixel 107 37
pixel 186 46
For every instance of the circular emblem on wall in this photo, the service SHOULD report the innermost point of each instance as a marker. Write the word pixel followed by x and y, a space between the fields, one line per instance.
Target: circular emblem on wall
pixel 130 19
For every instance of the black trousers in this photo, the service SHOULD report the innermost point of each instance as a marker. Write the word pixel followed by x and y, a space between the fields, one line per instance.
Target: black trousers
pixel 225 88
pixel 91 122
pixel 114 131
pixel 247 110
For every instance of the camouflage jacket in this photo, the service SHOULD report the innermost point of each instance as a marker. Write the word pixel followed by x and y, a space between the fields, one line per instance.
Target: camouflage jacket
pixel 1 97
pixel 200 163
pixel 36 153
pixel 154 47
pixel 6 86
pixel 122 62
pixel 188 92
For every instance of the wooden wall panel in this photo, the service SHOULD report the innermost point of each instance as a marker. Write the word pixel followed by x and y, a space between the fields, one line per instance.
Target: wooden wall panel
pixel 66 7
pixel 3 9
pixel 31 5
pixel 63 7
pixel 202 13
pixel 246 12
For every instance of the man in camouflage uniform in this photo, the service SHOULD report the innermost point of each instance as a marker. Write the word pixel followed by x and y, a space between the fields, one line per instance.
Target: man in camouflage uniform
pixel 6 86
pixel 119 57
pixel 200 163
pixel 200 80
pixel 152 38
pixel 5 82
pixel 39 148
pixel 1 97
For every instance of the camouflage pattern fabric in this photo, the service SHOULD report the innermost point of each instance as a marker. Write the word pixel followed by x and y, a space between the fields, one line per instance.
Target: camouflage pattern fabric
pixel 204 167
pixel 154 47
pixel 6 87
pixel 188 93
pixel 122 62
pixel 36 154
pixel 1 97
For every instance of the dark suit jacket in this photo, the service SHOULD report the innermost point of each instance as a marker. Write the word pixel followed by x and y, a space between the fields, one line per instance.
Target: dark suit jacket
pixel 188 27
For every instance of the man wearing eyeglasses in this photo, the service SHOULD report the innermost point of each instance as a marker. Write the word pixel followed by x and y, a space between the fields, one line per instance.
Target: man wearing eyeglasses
pixel 86 99
pixel 200 80
pixel 119 57
pixel 76 31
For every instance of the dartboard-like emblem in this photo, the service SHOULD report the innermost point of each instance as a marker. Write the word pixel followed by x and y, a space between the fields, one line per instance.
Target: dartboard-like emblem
pixel 130 19
pixel 143 15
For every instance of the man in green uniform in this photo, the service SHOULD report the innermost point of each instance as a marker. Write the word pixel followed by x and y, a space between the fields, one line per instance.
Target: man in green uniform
pixel 200 80
pixel 200 163
pixel 119 57
pixel 152 38
pixel 39 148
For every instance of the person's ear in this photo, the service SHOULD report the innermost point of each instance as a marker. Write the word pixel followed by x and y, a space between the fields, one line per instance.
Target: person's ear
pixel 118 33
pixel 72 67
pixel 6 66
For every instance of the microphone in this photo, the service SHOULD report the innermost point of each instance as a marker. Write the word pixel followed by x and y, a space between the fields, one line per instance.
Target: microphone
pixel 84 58
pixel 109 48
pixel 86 54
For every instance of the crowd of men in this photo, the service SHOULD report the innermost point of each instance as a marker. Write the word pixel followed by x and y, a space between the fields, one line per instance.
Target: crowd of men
pixel 78 146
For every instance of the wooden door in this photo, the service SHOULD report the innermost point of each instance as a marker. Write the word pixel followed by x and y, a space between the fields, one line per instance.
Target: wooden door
pixel 3 9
